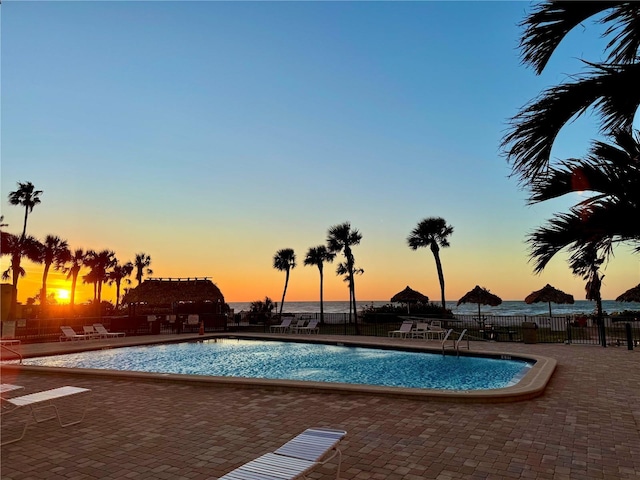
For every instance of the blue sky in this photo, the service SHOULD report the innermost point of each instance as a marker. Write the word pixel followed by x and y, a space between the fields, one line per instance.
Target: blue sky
pixel 212 134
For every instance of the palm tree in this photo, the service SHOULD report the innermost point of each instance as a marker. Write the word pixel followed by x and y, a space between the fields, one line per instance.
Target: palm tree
pixel 317 256
pixel 340 238
pixel 76 260
pixel 141 262
pixel 99 263
pixel 432 232
pixel 284 260
pixel 610 86
pixel 586 263
pixel 17 249
pixel 28 197
pixel 611 174
pixel 54 251
pixel 117 274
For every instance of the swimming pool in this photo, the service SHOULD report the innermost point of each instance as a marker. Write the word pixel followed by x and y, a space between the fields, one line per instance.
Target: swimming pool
pixel 310 362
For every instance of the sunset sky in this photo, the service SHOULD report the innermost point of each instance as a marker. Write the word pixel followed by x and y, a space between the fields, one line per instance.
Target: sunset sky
pixel 209 135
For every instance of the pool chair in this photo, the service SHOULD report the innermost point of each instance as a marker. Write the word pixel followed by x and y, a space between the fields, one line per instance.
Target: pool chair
pixel 404 331
pixel 311 327
pixel 436 332
pixel 295 458
pixel 420 330
pixel 283 327
pixel 90 332
pixel 104 333
pixel 35 403
pixel 69 333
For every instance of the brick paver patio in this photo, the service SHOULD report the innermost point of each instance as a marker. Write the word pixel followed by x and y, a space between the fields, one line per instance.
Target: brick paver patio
pixel 586 425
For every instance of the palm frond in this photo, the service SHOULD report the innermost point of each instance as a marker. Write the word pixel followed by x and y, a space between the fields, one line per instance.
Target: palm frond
pixel 612 91
pixel 550 22
pixel 625 28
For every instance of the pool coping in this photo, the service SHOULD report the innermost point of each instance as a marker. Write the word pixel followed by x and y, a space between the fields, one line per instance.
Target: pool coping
pixel 530 386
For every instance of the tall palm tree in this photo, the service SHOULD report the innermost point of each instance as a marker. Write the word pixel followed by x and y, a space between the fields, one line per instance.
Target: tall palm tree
pixel 17 248
pixel 432 232
pixel 99 263
pixel 28 197
pixel 340 238
pixel 117 274
pixel 284 260
pixel 609 86
pixel 76 261
pixel 142 262
pixel 608 179
pixel 317 256
pixel 54 251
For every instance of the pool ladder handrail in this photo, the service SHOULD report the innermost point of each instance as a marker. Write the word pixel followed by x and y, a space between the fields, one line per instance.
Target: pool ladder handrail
pixel 18 354
pixel 455 344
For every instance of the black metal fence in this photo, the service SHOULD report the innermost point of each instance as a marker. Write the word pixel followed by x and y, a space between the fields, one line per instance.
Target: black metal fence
pixel 521 328
pixel 527 329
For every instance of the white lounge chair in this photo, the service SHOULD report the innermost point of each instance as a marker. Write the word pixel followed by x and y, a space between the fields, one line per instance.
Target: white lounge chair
pixel 90 332
pixel 420 330
pixel 404 331
pixel 311 327
pixel 294 459
pixel 436 332
pixel 283 327
pixel 43 400
pixel 104 333
pixel 70 334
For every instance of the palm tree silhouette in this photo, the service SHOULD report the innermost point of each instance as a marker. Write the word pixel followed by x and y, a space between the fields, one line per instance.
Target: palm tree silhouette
pixel 99 263
pixel 28 197
pixel 317 256
pixel 54 251
pixel 611 174
pixel 17 249
pixel 341 238
pixel 76 260
pixel 432 232
pixel 141 262
pixel 117 274
pixel 610 87
pixel 284 260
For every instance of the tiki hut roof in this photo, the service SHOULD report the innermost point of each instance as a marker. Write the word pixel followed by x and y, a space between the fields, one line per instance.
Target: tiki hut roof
pixel 631 295
pixel 159 291
pixel 549 294
pixel 408 295
pixel 481 296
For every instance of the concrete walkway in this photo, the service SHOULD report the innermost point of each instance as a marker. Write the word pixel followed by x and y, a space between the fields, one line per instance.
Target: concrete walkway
pixel 586 425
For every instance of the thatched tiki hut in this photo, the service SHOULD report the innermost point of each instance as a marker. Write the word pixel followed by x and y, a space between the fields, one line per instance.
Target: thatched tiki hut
pixel 175 295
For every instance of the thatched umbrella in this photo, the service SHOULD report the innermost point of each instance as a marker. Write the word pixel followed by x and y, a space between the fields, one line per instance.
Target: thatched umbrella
pixel 631 295
pixel 481 296
pixel 549 294
pixel 409 296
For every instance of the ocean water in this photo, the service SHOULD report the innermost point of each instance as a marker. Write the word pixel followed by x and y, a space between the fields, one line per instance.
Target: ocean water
pixel 507 308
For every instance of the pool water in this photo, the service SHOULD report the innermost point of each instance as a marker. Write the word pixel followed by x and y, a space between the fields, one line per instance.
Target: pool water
pixel 303 361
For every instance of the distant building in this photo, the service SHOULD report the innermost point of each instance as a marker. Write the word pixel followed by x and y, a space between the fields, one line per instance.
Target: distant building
pixel 175 295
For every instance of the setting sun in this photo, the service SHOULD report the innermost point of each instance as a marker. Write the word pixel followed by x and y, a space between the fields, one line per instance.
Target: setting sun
pixel 62 295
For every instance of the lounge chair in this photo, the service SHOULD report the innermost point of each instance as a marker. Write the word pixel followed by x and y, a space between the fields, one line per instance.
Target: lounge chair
pixel 404 331
pixel 294 459
pixel 436 331
pixel 283 327
pixel 70 334
pixel 9 333
pixel 311 327
pixel 36 402
pixel 420 331
pixel 104 333
pixel 90 332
